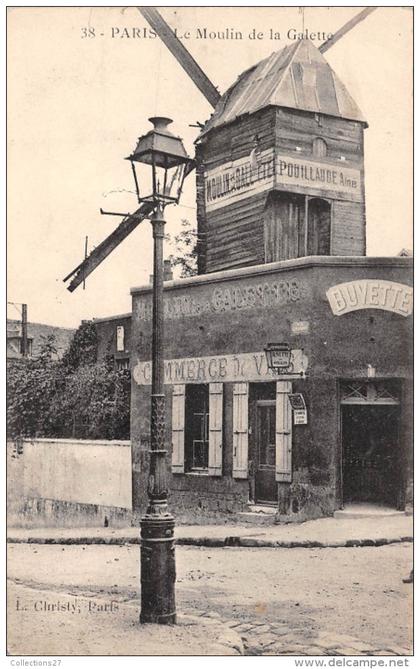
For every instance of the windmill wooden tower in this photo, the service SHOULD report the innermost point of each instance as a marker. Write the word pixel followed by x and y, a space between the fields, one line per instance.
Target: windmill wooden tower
pixel 279 163
pixel 280 166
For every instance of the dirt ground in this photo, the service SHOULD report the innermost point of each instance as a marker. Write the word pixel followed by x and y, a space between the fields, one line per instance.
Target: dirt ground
pixel 353 591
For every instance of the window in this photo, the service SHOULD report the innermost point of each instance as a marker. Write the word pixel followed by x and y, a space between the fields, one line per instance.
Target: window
pixel 197 420
pixel 319 147
pixel 197 427
pixel 120 337
pixel 122 363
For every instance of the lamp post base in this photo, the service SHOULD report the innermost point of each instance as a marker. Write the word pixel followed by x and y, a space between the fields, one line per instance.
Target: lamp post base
pixel 157 569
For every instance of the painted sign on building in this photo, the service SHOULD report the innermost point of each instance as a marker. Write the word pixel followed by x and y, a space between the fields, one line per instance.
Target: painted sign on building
pixel 253 294
pixel 220 369
pixel 371 294
pixel 242 178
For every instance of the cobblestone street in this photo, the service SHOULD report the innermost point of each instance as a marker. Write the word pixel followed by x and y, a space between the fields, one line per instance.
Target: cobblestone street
pixel 280 601
pixel 260 638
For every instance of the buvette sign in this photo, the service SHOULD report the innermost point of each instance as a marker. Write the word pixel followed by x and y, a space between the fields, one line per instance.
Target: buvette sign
pixel 371 294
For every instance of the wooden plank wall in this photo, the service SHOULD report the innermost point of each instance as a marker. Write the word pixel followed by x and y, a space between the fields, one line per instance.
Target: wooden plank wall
pixel 298 128
pixel 233 236
pixel 348 229
pixel 283 227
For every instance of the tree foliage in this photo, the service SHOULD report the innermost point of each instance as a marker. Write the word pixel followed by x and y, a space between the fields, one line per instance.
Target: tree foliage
pixel 72 397
pixel 95 403
pixel 83 347
pixel 31 386
pixel 185 247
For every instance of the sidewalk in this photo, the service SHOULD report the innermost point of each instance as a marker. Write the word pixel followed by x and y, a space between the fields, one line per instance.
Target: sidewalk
pixel 320 533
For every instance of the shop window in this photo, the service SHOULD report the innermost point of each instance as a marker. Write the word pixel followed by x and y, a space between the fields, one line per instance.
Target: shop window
pixel 319 148
pixel 197 427
pixel 197 420
pixel 120 337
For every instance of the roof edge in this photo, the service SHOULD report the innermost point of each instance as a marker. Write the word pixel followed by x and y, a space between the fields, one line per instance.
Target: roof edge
pixel 281 266
pixel 117 317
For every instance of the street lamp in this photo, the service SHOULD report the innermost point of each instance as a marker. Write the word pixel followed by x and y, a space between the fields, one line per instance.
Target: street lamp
pixel 159 164
pixel 278 357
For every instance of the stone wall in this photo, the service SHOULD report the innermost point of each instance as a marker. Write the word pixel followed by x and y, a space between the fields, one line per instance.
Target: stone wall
pixel 66 482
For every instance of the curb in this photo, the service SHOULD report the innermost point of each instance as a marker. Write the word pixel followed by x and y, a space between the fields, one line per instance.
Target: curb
pixel 216 542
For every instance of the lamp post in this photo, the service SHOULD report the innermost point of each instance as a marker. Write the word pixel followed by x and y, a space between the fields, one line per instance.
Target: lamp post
pixel 278 357
pixel 161 161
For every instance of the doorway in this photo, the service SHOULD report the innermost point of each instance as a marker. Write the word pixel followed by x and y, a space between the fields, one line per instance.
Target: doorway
pixel 371 453
pixel 319 227
pixel 265 453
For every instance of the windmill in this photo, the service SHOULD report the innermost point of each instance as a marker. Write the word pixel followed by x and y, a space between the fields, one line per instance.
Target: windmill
pixel 130 221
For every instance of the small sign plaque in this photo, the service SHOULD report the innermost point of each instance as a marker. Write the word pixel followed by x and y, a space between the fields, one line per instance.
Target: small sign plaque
pixel 297 401
pixel 299 327
pixel 281 359
pixel 300 417
pixel 300 414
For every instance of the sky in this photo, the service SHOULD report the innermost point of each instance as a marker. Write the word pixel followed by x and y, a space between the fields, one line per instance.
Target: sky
pixel 81 84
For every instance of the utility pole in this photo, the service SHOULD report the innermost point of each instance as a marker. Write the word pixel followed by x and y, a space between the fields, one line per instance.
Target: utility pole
pixel 24 341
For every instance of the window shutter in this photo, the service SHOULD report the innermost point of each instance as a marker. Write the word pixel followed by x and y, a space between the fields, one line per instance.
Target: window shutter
pixel 283 432
pixel 178 424
pixel 215 428
pixel 120 337
pixel 240 431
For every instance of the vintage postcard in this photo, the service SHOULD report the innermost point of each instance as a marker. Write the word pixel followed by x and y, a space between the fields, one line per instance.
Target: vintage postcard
pixel 210 332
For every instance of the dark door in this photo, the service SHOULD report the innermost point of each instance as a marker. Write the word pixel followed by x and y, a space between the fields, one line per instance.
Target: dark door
pixel 319 227
pixel 265 465
pixel 371 454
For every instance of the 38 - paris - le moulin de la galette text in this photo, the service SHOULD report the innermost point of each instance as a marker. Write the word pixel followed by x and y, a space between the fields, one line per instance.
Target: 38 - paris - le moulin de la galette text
pixel 204 33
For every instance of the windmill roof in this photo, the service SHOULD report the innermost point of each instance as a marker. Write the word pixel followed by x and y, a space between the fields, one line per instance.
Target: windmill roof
pixel 296 77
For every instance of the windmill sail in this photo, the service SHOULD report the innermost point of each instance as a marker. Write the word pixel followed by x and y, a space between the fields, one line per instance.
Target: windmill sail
pixel 127 225
pixel 183 56
pixel 346 28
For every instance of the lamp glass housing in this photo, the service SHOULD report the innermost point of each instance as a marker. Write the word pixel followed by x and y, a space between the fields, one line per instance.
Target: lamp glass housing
pixel 159 164
pixel 278 356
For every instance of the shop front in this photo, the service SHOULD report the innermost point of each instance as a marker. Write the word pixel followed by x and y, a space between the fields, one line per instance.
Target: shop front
pixel 334 427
